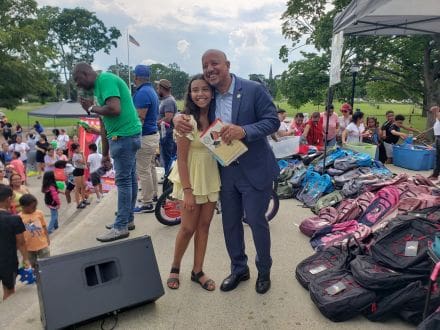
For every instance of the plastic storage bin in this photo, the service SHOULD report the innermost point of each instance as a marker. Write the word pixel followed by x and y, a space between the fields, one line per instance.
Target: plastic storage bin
pixel 366 148
pixel 417 158
pixel 286 147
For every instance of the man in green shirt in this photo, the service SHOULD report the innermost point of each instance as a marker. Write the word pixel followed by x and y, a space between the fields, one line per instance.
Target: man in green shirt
pixel 120 131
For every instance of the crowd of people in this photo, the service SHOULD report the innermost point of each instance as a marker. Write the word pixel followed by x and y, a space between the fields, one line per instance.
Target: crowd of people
pixel 133 127
pixel 348 128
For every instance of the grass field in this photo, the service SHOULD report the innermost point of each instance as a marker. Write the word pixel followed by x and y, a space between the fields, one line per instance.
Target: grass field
pixel 412 114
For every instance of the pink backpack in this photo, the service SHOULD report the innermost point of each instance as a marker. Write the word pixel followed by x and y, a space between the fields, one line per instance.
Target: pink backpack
pixel 326 216
pixel 384 202
pixel 350 209
pixel 339 234
pixel 422 201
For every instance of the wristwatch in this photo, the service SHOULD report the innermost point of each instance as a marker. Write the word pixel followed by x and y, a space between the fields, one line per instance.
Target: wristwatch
pixel 90 109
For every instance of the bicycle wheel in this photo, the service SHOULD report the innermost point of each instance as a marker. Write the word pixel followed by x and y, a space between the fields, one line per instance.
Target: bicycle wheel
pixel 272 209
pixel 274 205
pixel 167 209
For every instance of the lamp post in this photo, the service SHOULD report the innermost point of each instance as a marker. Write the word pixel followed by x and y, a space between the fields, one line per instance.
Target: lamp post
pixel 354 69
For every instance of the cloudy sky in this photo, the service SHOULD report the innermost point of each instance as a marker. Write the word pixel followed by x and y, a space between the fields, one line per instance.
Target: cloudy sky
pixel 179 31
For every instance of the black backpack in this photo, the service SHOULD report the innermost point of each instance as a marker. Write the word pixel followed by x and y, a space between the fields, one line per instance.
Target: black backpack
pixel 373 276
pixel 402 236
pixel 392 302
pixel 319 264
pixel 339 297
pixel 432 322
pixel 48 200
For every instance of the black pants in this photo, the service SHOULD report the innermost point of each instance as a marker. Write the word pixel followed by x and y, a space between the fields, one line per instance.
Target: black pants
pixel 437 157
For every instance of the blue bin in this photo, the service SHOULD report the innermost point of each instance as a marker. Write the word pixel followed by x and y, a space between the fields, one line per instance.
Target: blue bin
pixel 417 158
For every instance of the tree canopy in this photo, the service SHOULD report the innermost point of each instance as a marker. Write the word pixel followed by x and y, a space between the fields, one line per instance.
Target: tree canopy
pixel 405 66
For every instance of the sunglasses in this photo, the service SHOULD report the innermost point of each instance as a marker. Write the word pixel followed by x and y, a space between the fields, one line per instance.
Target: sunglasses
pixel 344 111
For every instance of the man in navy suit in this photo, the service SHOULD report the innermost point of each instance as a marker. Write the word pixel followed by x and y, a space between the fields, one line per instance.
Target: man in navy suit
pixel 250 116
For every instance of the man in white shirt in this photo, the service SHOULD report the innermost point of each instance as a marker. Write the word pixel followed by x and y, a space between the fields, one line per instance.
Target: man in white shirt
pixel 436 112
pixel 63 140
pixel 284 127
pixel 21 147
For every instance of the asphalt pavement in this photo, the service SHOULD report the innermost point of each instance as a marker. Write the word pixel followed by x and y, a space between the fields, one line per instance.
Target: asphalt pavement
pixel 286 306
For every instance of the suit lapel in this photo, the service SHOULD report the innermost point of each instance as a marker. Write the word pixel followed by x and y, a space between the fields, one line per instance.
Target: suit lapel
pixel 236 100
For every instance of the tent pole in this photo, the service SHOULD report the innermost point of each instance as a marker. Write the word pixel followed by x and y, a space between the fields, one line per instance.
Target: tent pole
pixel 329 101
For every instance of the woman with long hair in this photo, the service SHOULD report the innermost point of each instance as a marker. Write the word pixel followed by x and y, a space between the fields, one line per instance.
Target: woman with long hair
pixel 355 131
pixel 196 182
pixel 16 183
pixel 41 146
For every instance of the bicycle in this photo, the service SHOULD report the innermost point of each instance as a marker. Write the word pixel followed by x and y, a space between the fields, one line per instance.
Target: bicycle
pixel 167 210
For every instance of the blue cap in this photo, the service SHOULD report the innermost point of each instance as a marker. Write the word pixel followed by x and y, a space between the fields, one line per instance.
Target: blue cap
pixel 142 71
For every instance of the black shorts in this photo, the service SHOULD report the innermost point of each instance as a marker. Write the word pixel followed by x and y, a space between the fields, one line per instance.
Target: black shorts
pixel 78 172
pixel 70 186
pixel 95 178
pixel 8 279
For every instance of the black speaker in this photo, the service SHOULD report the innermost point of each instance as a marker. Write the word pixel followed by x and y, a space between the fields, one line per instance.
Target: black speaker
pixel 80 286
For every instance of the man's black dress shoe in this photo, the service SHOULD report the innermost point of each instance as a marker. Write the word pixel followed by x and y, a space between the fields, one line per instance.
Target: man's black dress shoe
pixel 232 281
pixel 263 283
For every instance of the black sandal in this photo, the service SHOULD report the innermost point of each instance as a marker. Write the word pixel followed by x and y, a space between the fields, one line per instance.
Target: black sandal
pixel 173 280
pixel 196 278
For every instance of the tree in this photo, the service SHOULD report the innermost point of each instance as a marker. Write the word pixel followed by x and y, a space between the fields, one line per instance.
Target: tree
pixel 23 51
pixel 179 79
pixel 122 71
pixel 306 80
pixel 77 34
pixel 410 63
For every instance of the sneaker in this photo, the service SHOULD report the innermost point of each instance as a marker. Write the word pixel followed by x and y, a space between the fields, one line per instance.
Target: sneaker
pixel 149 208
pixel 130 226
pixel 81 206
pixel 86 202
pixel 98 199
pixel 113 235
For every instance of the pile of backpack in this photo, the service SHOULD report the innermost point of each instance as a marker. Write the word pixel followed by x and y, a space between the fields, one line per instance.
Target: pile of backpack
pixel 379 272
pixel 369 212
pixel 346 173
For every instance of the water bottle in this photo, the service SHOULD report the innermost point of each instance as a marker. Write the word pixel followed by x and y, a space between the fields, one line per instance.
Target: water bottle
pixel 409 139
pixel 163 129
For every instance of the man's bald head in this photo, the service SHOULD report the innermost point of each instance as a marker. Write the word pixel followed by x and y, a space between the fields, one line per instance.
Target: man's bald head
pixel 84 76
pixel 216 69
pixel 215 51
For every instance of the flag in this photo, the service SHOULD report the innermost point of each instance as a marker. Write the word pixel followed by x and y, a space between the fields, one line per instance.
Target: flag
pixel 133 40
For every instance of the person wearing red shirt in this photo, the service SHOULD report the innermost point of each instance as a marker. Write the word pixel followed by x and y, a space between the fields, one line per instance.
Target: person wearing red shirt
pixel 313 132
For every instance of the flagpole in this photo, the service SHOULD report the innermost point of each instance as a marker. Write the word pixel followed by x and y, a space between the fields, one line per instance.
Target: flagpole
pixel 128 62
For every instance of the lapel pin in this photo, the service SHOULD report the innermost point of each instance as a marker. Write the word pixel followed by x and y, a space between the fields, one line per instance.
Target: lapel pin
pixel 238 96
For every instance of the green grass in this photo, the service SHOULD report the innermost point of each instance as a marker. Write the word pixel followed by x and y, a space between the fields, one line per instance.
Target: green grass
pixel 19 115
pixel 411 113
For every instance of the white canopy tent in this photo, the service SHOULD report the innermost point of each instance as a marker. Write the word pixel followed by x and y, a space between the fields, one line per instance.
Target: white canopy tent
pixel 380 17
pixel 389 17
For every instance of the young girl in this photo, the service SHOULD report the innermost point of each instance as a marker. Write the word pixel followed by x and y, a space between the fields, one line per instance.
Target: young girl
pixel 79 163
pixel 60 154
pixel 373 131
pixel 36 234
pixel 196 184
pixel 51 199
pixel 50 159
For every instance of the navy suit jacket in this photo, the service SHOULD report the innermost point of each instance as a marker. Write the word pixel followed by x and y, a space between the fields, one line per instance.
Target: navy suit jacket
pixel 254 110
